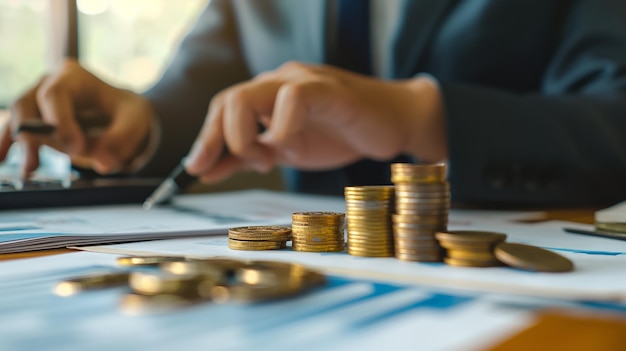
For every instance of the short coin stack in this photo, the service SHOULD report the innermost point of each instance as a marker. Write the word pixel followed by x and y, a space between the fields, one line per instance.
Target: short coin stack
pixel 257 238
pixel 318 231
pixel 422 207
pixel 470 248
pixel 368 216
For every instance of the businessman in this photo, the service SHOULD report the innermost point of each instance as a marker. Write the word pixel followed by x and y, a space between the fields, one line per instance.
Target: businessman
pixel 525 99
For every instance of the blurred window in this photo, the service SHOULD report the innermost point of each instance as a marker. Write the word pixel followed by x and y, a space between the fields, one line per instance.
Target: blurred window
pixel 23 50
pixel 128 43
pixel 125 42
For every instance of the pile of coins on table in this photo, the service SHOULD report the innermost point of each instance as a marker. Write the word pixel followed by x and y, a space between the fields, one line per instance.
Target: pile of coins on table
pixel 489 249
pixel 164 283
pixel 368 217
pixel 470 248
pixel 318 231
pixel 255 238
pixel 422 207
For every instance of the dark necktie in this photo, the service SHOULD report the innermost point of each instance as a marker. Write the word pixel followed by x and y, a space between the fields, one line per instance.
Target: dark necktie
pixel 353 52
pixel 353 36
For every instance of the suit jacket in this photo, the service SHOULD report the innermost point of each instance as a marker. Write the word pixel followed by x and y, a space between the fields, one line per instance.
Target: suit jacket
pixel 534 90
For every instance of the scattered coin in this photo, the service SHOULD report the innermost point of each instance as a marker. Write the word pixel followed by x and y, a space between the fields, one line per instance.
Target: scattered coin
pixel 145 260
pixel 532 258
pixel 159 283
pixel 467 248
pixel 91 282
pixel 264 280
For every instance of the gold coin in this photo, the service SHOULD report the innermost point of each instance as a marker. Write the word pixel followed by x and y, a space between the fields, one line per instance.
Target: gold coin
pixel 418 240
pixel 268 272
pixel 422 188
pixel 218 270
pixel 473 236
pixel 418 258
pixel 156 283
pixel 264 233
pixel 371 245
pixel 368 254
pixel 246 245
pixel 317 230
pixel 380 233
pixel 146 260
pixel 471 255
pixel 370 188
pixel 421 212
pixel 419 250
pixel 410 232
pixel 471 263
pixel 418 219
pixel 90 282
pixel 467 246
pixel 318 248
pixel 249 293
pixel 532 258
pixel 313 242
pixel 313 225
pixel 417 195
pixel 351 215
pixel 307 216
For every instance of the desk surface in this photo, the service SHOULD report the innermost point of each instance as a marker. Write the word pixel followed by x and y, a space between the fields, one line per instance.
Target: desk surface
pixel 588 328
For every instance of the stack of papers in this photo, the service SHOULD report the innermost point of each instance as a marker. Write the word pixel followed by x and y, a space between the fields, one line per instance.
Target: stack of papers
pixel 188 216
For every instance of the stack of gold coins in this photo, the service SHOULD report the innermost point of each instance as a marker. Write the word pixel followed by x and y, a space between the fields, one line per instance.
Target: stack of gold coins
pixel 466 248
pixel 318 231
pixel 257 238
pixel 368 220
pixel 422 207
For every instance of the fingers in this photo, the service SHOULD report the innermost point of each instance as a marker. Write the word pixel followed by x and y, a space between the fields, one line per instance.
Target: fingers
pixel 233 121
pixel 227 166
pixel 291 111
pixel 243 111
pixel 5 141
pixel 56 99
pixel 24 109
pixel 125 137
pixel 209 144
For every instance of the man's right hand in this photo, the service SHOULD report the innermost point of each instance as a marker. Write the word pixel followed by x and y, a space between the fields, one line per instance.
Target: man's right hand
pixel 58 98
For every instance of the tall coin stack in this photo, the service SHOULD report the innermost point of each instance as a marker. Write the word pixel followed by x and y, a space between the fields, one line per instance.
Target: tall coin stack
pixel 318 231
pixel 368 216
pixel 422 207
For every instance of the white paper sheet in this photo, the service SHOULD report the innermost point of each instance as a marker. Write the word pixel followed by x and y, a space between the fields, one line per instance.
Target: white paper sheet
pixel 347 314
pixel 596 277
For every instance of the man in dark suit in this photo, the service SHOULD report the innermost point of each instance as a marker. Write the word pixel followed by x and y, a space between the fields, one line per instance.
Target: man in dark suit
pixel 525 99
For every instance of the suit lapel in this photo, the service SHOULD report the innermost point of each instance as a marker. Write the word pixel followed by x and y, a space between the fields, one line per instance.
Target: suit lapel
pixel 417 21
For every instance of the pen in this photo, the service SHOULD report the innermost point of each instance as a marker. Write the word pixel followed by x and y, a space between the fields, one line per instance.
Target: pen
pixel 597 232
pixel 85 122
pixel 178 180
